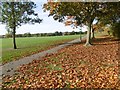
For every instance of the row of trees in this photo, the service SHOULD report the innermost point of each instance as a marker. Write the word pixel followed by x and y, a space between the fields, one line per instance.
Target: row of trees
pixel 78 13
pixel 9 35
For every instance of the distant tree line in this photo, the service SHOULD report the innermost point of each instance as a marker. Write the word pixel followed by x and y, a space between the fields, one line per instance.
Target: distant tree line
pixel 57 33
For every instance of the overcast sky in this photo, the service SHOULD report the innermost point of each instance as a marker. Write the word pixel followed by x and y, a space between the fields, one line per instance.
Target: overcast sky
pixel 48 24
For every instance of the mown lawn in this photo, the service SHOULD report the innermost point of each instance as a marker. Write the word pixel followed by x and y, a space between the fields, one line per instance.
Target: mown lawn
pixel 30 45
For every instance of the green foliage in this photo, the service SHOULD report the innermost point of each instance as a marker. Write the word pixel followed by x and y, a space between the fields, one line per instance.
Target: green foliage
pixel 8 35
pixel 112 14
pixel 14 14
pixel 57 33
pixel 116 29
pixel 27 35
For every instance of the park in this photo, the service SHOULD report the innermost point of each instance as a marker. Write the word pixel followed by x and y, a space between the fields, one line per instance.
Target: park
pixel 61 60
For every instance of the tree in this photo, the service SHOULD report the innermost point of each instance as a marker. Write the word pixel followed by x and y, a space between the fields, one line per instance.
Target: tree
pixel 27 34
pixel 78 13
pixel 9 32
pixel 58 33
pixel 115 29
pixel 72 33
pixel 14 14
pixel 92 32
pixel 112 18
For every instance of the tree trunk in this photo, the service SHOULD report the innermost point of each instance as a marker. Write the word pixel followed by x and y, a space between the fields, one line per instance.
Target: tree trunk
pixel 92 33
pixel 13 26
pixel 14 41
pixel 88 39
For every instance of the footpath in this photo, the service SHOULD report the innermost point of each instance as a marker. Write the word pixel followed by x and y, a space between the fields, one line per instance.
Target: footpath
pixel 11 67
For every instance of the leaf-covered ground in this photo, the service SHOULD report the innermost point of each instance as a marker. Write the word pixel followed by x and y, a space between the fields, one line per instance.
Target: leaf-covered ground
pixel 75 66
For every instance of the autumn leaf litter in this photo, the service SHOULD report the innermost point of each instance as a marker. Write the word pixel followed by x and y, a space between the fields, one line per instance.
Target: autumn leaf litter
pixel 75 66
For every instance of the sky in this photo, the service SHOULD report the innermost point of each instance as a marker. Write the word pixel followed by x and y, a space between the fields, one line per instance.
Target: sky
pixel 48 24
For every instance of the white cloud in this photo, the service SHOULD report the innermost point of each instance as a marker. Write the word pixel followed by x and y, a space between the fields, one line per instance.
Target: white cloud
pixel 2 29
pixel 39 1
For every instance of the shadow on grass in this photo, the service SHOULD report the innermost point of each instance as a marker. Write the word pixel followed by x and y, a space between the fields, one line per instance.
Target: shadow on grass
pixel 101 41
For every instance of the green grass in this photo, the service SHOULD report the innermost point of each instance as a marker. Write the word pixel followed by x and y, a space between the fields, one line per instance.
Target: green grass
pixel 55 67
pixel 28 46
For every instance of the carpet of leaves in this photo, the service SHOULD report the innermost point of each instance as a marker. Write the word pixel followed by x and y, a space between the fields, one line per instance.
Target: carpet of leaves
pixel 75 66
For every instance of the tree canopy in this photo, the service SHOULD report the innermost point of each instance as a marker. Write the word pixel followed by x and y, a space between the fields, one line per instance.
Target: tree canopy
pixel 14 14
pixel 80 13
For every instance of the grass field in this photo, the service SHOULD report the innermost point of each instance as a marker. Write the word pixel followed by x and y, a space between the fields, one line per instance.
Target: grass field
pixel 28 46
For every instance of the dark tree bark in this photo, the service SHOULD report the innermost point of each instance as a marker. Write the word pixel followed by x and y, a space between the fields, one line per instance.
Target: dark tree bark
pixel 14 41
pixel 92 33
pixel 14 26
